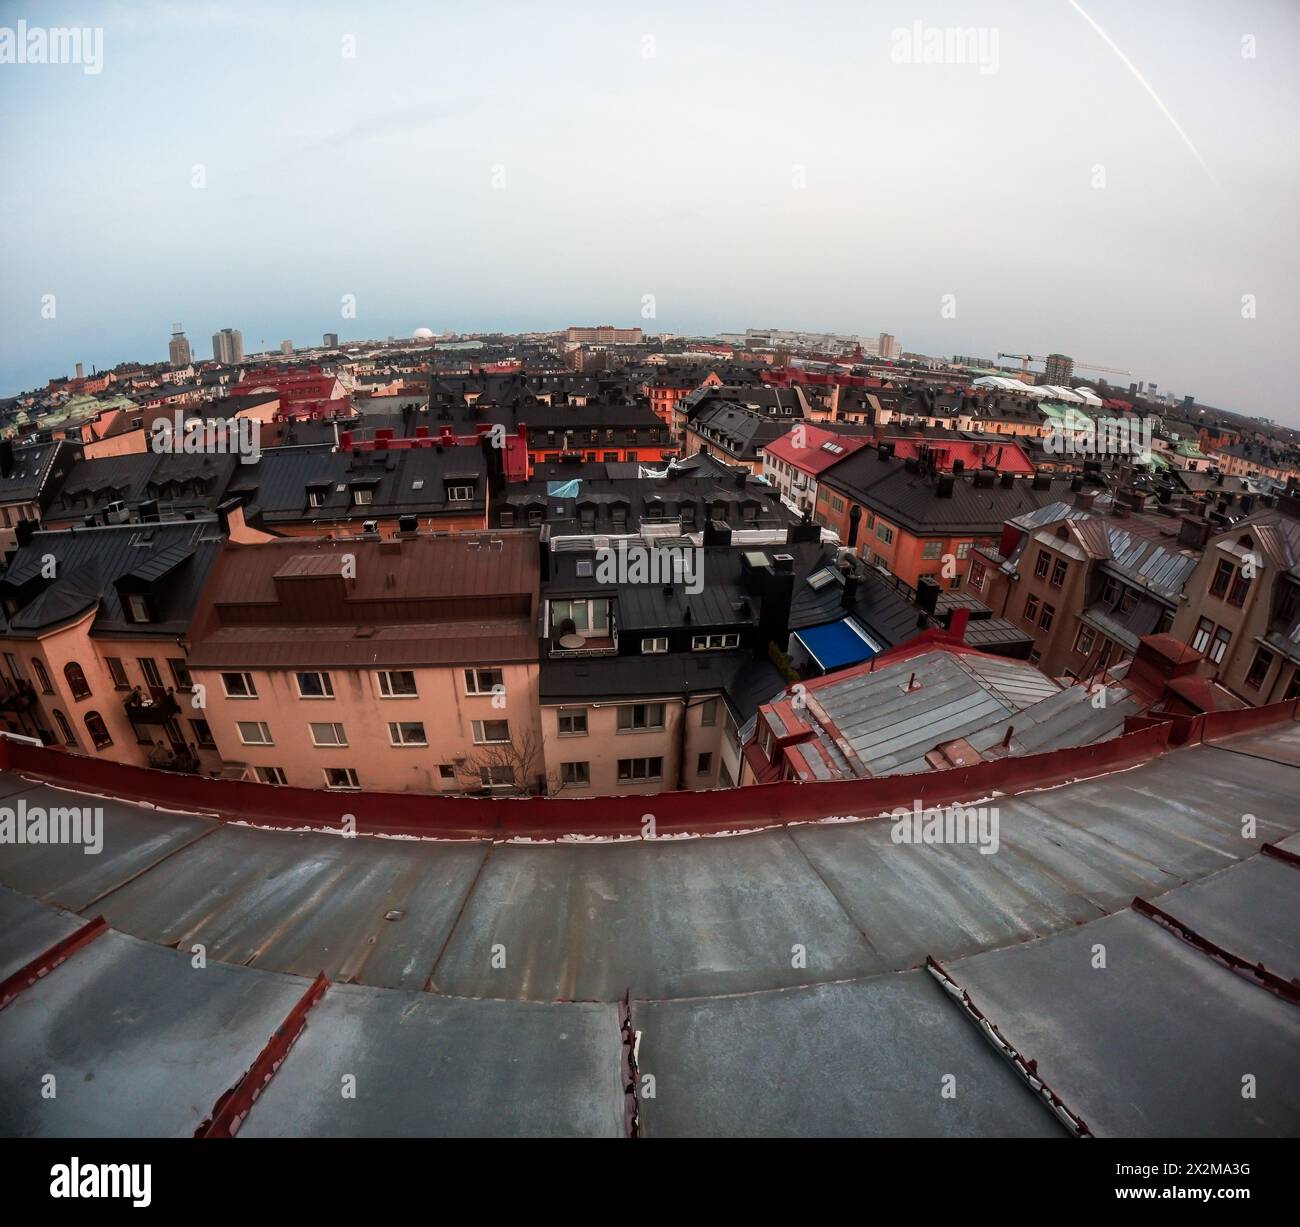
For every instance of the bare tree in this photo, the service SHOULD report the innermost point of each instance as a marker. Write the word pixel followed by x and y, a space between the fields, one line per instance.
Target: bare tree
pixel 513 767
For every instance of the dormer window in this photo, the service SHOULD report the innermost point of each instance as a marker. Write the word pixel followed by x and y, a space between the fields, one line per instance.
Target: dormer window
pixel 137 607
pixel 316 495
pixel 460 494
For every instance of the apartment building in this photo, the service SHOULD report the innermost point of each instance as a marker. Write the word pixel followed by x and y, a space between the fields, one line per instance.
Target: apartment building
pixel 1243 604
pixel 30 478
pixel 647 679
pixel 793 462
pixel 93 640
pixel 1088 580
pixel 407 664
pixel 910 519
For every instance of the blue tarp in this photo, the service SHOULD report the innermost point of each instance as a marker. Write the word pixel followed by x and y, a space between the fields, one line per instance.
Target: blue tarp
pixel 564 489
pixel 837 644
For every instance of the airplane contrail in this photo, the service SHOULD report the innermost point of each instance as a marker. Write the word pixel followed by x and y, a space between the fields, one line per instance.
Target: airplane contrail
pixel 1141 80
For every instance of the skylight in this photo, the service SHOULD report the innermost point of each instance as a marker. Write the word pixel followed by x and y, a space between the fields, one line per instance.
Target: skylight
pixel 819 579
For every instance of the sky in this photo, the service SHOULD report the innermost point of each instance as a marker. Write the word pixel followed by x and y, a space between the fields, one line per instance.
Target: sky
pixel 1114 181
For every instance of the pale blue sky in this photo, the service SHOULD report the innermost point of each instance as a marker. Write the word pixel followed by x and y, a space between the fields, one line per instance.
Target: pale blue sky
pixel 671 174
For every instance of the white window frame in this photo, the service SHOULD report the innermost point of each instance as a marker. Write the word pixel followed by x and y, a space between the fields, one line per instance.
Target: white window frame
pixel 353 784
pixel 397 738
pixel 327 683
pixel 480 733
pixel 261 726
pixel 248 682
pixel 340 733
pixel 386 691
pixel 460 494
pixel 654 647
pixel 705 643
pixel 278 778
pixel 474 684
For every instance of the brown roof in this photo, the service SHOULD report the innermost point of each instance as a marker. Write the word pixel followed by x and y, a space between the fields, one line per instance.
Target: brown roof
pixel 418 600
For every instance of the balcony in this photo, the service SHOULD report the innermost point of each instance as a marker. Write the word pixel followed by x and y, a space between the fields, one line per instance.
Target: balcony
pixel 566 641
pixel 156 706
pixel 17 696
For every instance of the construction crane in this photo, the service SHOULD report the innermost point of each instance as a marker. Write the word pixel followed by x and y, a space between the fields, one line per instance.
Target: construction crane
pixel 1026 359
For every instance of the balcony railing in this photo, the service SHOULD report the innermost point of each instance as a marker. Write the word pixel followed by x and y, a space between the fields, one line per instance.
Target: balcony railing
pixel 157 706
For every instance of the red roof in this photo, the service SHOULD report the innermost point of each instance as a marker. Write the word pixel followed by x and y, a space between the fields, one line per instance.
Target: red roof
pixel 808 452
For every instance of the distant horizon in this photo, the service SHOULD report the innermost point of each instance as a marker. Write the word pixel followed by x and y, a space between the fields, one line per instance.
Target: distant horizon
pixel 649 329
pixel 1112 181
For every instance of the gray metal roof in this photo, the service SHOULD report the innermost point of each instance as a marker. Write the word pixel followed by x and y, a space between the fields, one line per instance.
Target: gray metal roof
pixel 740 1037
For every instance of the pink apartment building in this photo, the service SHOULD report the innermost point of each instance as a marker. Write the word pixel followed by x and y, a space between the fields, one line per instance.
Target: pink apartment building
pixel 401 664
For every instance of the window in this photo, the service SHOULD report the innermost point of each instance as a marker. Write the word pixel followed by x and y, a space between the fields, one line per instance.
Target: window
pixel 1084 640
pixel 255 733
pixel 98 731
pixel 507 519
pixel 885 533
pixel 976 578
pixel 1237 593
pixel 1045 622
pixel 1059 569
pixel 572 721
pixel 238 685
pixel 704 643
pixel 1128 600
pixel 314 685
pixel 1201 640
pixel 341 778
pixel 15 669
pixel 931 550
pixel 180 674
pixel 637 717
pixel 117 672
pixel 963 549
pixel 1110 594
pixel 1222 577
pixel 42 678
pixel 460 494
pixel 1041 565
pixel 362 496
pixel 76 680
pixel 137 607
pixel 446 771
pixel 1259 668
pixel 709 712
pixel 203 734
pixel 1031 610
pixel 328 735
pixel 65 729
pixel 654 647
pixel 497 777
pixel 397 684
pixel 270 775
pixel 634 770
pixel 149 671
pixel 407 733
pixel 576 774
pixel 1222 637
pixel 491 732
pixel 316 497
pixel 588 617
pixel 483 681
pixel 704 764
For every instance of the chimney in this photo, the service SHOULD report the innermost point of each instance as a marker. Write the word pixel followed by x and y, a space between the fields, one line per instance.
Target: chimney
pixel 1008 480
pixel 927 593
pixel 1042 480
pixel 1083 500
pixel 1195 532
pixel 946 485
pixel 850 594
pixel 716 532
pixel 776 592
pixel 957 620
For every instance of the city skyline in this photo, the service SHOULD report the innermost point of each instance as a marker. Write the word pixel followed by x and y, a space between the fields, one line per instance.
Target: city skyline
pixel 1053 199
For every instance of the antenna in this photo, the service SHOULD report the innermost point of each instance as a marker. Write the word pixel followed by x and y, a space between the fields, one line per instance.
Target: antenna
pixel 177 330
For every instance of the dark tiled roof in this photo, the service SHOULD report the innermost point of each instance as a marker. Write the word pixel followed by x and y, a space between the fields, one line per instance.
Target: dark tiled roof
pixel 171 560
